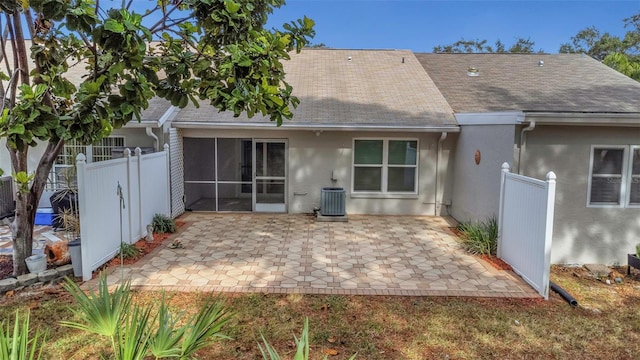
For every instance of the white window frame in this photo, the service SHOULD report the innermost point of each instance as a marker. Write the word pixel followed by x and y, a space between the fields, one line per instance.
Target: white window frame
pixel 385 170
pixel 631 177
pixel 625 177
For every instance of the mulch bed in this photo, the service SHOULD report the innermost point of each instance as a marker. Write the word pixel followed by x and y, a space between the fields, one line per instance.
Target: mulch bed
pixel 6 261
pixel 143 245
pixel 496 262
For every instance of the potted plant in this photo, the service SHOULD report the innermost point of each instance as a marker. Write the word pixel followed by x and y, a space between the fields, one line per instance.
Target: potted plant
pixel 633 260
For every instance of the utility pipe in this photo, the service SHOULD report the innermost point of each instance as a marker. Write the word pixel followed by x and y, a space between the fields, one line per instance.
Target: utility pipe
pixel 565 295
pixel 156 141
pixel 443 137
pixel 523 143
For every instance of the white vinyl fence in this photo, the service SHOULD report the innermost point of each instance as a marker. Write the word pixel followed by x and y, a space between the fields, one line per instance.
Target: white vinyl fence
pixel 525 226
pixel 117 200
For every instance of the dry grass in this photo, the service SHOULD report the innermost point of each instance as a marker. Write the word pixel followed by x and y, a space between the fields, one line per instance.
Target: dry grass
pixel 606 325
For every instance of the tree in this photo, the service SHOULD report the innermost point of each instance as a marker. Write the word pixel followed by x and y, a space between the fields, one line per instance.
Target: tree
pixel 216 51
pixel 589 41
pixel 622 54
pixel 624 64
pixel 521 45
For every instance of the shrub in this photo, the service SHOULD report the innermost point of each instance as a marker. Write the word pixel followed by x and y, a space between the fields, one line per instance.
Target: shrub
pixel 140 332
pixel 128 251
pixel 16 344
pixel 163 224
pixel 302 346
pixel 480 237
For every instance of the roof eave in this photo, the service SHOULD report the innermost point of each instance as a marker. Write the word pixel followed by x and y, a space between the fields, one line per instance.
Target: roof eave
pixel 314 127
pixel 582 118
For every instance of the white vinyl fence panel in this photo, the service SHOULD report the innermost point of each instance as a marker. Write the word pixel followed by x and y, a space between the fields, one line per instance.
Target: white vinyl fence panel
pixel 526 226
pixel 106 219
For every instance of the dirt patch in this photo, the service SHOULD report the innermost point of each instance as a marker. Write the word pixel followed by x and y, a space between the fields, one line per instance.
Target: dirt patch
pixel 6 266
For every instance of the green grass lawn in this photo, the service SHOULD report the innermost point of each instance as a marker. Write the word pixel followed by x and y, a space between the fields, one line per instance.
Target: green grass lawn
pixel 606 325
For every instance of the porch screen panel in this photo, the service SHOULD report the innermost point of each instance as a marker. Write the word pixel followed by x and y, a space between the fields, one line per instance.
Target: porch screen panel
pixel 234 174
pixel 200 174
pixel 200 196
pixel 199 159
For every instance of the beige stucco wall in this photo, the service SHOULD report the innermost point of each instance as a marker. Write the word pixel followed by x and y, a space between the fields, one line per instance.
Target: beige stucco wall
pixel 476 194
pixel 582 234
pixel 137 137
pixel 5 161
pixel 313 158
pixel 32 160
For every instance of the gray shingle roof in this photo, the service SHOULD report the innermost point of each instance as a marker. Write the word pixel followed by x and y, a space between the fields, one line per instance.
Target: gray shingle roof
pixel 374 88
pixel 515 82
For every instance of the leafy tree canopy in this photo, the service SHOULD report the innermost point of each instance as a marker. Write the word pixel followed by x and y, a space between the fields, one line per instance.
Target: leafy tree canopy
pixel 622 54
pixel 521 45
pixel 212 51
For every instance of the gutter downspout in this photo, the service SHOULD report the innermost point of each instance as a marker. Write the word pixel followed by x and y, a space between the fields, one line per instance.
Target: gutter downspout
pixel 443 137
pixel 523 144
pixel 156 141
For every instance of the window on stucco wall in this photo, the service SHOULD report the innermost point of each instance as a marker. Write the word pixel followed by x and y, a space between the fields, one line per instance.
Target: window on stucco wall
pixel 385 166
pixel 614 176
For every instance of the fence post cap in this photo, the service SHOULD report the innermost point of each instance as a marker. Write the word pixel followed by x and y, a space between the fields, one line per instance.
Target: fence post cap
pixel 551 176
pixel 505 166
pixel 127 152
pixel 138 151
pixel 166 147
pixel 80 158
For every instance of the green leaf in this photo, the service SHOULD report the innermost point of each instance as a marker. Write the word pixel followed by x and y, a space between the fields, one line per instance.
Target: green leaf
pixel 231 6
pixel 126 108
pixel 114 26
pixel 17 129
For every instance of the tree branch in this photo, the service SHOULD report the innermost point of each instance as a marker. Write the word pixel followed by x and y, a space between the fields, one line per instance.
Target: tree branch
pixel 21 53
pixel 30 22
pixel 164 18
pixel 14 85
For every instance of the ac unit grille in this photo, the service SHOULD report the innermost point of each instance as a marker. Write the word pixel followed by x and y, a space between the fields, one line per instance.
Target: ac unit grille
pixel 7 204
pixel 332 202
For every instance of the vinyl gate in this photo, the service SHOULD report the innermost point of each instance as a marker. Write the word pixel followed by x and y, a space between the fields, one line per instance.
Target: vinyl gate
pixel 525 226
pixel 143 182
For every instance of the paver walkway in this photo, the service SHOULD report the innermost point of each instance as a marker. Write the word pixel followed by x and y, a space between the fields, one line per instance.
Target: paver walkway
pixel 369 255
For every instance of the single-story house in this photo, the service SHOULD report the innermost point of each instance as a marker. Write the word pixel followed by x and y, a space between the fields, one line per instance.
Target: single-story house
pixel 565 113
pixel 370 122
pixel 421 134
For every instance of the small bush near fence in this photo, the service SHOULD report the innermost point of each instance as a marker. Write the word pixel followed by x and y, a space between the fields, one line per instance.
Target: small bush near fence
pixel 128 251
pixel 163 224
pixel 480 237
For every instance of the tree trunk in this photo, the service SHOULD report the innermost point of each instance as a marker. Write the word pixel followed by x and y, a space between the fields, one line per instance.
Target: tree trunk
pixel 22 228
pixel 27 203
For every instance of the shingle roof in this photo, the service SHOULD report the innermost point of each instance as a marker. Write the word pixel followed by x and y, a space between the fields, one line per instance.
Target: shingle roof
pixel 516 82
pixel 375 87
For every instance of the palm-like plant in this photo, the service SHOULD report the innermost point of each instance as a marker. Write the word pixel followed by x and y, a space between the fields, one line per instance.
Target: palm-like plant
pixel 302 346
pixel 16 345
pixel 131 328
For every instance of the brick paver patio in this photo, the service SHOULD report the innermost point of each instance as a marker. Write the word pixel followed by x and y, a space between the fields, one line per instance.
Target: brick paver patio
pixel 369 255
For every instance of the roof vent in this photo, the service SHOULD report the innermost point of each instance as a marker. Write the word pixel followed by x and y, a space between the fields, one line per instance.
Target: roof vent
pixel 472 71
pixel 540 63
pixel 349 58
